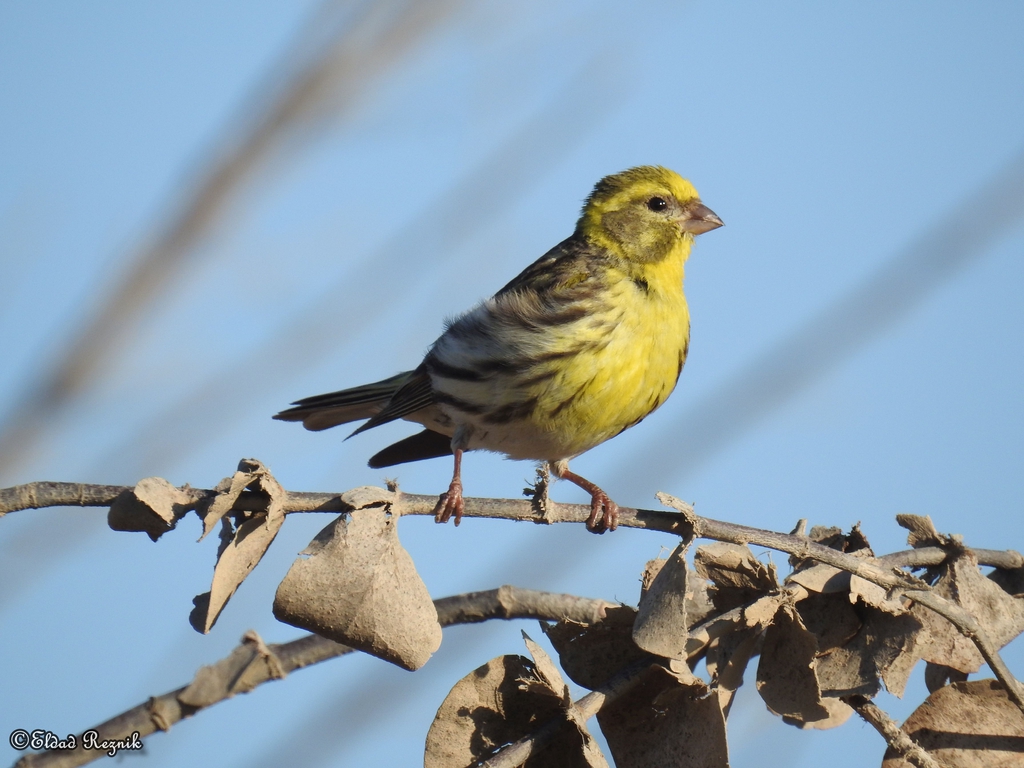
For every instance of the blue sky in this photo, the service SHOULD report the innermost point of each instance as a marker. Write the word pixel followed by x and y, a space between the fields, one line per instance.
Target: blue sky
pixel 830 138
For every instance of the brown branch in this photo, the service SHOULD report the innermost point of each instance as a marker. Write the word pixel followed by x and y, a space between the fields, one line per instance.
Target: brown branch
pixel 895 736
pixel 685 522
pixel 252 663
pixel 43 494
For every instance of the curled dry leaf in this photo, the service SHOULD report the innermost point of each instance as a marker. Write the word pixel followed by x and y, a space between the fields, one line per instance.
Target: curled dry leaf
pixel 838 713
pixel 786 673
pixel 243 547
pixel 1010 579
pixel 547 671
pixel 874 595
pixel 936 676
pixel 967 725
pixel 651 571
pixel 830 618
pixel 662 722
pixel 590 753
pixel 821 578
pixel 922 531
pixel 248 665
pixel 1001 614
pixel 881 648
pixel 251 474
pixel 357 585
pixel 590 654
pixel 153 506
pixel 499 703
pixel 727 658
pixel 738 577
pixel 661 622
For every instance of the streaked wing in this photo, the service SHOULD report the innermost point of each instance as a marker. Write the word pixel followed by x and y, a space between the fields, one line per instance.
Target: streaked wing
pixel 414 394
pixel 566 262
pixel 362 402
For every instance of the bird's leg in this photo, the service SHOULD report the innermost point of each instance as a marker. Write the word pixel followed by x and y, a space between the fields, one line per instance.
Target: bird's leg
pixel 604 513
pixel 451 502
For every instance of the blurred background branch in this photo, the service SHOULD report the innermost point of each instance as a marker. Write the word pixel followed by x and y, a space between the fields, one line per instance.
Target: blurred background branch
pixel 341 53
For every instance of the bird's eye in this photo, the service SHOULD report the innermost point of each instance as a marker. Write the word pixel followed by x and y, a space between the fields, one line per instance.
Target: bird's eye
pixel 657 204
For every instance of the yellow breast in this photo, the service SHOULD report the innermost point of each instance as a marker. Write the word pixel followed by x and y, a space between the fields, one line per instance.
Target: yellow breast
pixel 635 352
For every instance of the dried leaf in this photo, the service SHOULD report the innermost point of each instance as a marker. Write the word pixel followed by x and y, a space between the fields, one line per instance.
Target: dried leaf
pixel 874 595
pixel 698 602
pixel 1010 579
pixel 1000 614
pixel 838 713
pixel 936 676
pixel 498 704
pixel 967 725
pixel 738 577
pixel 651 571
pixel 240 549
pixel 922 531
pixel 761 613
pixel 856 665
pixel 591 653
pixel 821 578
pixel 786 673
pixel 243 547
pixel 661 622
pixel 661 722
pixel 830 618
pixel 250 473
pixel 153 506
pixel 727 658
pixel 358 586
pixel 248 665
pixel 547 670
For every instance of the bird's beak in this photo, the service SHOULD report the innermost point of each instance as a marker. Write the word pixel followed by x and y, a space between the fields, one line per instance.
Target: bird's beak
pixel 697 219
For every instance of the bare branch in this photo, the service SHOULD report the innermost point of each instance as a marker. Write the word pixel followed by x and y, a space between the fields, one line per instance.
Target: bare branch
pixel 685 522
pixel 161 712
pixel 895 736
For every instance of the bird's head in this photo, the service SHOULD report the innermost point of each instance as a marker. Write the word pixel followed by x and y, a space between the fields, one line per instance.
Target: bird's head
pixel 645 213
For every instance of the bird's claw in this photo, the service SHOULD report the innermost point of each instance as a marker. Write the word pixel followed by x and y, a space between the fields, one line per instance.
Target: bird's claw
pixel 604 513
pixel 450 503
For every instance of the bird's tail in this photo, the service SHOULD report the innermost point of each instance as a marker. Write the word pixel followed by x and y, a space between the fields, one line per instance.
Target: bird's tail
pixel 325 411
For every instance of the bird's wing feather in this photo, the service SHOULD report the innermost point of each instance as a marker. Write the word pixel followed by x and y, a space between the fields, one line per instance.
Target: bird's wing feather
pixel 559 265
pixel 427 444
pixel 414 394
pixel 362 402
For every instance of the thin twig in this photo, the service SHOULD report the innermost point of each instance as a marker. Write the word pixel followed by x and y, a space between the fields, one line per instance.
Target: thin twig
pixel 895 736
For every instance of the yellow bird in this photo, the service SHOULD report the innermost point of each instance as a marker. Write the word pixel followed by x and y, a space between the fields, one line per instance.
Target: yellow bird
pixel 582 345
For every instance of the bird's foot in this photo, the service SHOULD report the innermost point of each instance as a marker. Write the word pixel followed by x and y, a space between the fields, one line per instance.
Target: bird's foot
pixel 450 503
pixel 604 513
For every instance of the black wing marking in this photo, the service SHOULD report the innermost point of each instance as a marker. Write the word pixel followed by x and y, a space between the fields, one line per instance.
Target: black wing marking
pixel 427 444
pixel 415 394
